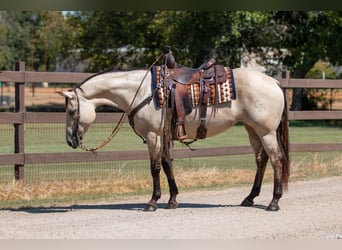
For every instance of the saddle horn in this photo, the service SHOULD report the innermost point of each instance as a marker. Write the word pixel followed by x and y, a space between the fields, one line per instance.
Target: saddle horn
pixel 169 59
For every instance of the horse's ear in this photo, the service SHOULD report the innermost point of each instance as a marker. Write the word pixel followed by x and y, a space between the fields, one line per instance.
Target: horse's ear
pixel 67 94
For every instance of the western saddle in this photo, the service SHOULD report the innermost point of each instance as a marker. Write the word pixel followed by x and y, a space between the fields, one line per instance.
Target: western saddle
pixel 178 79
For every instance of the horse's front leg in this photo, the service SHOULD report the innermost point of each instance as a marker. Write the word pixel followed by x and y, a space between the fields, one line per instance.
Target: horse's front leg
pixel 155 172
pixel 168 169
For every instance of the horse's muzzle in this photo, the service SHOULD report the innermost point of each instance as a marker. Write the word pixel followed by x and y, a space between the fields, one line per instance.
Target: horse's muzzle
pixel 71 144
pixel 73 141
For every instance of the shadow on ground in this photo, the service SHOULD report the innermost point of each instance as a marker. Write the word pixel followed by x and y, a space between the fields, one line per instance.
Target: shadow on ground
pixel 126 206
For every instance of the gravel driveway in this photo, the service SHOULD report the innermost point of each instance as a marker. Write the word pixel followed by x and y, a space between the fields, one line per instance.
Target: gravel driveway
pixel 309 210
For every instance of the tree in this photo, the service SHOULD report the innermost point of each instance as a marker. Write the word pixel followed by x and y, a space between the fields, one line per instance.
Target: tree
pixel 15 38
pixel 111 38
pixel 5 52
pixel 54 39
pixel 309 37
pixel 37 38
pixel 194 36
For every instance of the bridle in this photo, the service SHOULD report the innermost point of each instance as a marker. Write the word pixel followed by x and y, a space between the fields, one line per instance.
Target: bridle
pixel 77 131
pixel 77 120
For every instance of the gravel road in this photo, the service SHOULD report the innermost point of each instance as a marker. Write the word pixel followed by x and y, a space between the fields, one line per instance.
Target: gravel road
pixel 309 210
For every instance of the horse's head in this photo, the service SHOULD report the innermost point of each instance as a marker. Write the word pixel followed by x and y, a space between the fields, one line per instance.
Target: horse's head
pixel 80 113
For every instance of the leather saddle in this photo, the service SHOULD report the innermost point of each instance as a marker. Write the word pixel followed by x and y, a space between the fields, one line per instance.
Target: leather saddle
pixel 185 75
pixel 182 77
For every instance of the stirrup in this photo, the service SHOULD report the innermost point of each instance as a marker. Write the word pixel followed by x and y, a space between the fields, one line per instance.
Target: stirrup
pixel 180 132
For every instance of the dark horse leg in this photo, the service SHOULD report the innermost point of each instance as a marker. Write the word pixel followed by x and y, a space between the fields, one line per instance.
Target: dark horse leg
pixel 279 168
pixel 274 145
pixel 155 172
pixel 261 159
pixel 268 147
pixel 167 166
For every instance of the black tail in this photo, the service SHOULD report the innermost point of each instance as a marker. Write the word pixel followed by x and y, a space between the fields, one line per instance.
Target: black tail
pixel 283 141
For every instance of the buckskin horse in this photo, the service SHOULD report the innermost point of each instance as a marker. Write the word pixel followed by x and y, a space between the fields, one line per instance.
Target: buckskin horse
pixel 260 104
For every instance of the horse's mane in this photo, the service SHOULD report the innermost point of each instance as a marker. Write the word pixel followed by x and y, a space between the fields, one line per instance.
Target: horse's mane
pixel 105 72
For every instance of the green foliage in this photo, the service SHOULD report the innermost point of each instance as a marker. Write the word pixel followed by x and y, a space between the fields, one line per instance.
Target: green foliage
pixel 15 38
pixel 52 45
pixel 321 70
pixel 283 40
pixel 320 98
pixel 310 36
pixel 38 38
pixel 134 39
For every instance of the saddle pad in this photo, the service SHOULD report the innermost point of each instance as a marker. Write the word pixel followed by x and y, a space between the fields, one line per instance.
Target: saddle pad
pixel 222 93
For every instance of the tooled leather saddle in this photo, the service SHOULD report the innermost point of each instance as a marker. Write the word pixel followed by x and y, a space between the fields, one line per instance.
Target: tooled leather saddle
pixel 188 87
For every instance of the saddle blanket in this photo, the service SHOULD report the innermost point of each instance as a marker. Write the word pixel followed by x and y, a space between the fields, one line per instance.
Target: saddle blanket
pixel 222 93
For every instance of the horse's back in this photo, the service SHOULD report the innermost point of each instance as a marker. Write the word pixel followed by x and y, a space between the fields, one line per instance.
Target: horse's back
pixel 253 78
pixel 259 97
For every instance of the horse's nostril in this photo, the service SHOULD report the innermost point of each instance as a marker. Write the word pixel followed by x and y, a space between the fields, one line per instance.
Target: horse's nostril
pixel 69 143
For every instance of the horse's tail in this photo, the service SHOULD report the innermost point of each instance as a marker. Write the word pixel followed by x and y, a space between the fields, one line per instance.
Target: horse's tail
pixel 283 141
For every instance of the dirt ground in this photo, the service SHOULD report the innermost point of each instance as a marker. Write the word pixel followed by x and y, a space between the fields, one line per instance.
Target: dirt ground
pixel 309 210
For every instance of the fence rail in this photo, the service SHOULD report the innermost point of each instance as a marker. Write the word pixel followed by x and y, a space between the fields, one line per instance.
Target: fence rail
pixel 18 118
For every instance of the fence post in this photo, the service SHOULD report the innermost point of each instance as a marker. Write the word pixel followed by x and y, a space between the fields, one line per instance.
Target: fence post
pixel 19 147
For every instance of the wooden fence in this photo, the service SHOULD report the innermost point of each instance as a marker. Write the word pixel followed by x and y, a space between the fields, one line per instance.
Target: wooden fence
pixel 19 117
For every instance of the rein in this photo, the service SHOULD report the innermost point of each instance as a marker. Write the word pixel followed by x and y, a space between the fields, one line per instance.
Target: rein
pixel 109 138
pixel 119 124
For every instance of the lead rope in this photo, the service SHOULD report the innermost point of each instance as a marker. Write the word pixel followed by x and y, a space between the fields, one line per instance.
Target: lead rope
pixel 118 126
pixel 109 138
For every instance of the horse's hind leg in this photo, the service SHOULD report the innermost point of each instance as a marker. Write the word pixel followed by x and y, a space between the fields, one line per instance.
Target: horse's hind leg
pixel 272 148
pixel 167 166
pixel 261 159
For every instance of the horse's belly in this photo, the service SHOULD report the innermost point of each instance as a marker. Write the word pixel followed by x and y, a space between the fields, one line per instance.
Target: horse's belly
pixel 217 121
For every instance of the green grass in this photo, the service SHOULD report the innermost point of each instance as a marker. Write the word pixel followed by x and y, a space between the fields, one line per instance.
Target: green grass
pixel 315 134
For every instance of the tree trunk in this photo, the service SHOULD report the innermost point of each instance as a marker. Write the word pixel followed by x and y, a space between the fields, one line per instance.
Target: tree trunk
pixel 298 93
pixel 297 97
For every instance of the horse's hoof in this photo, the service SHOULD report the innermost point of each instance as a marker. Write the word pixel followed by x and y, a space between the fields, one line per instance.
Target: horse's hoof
pixel 172 205
pixel 150 207
pixel 273 207
pixel 247 203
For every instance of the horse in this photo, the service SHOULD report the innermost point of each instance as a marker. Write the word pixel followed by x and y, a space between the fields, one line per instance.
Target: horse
pixel 260 104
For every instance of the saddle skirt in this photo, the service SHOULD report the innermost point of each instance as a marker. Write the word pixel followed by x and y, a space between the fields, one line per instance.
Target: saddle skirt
pixel 223 92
